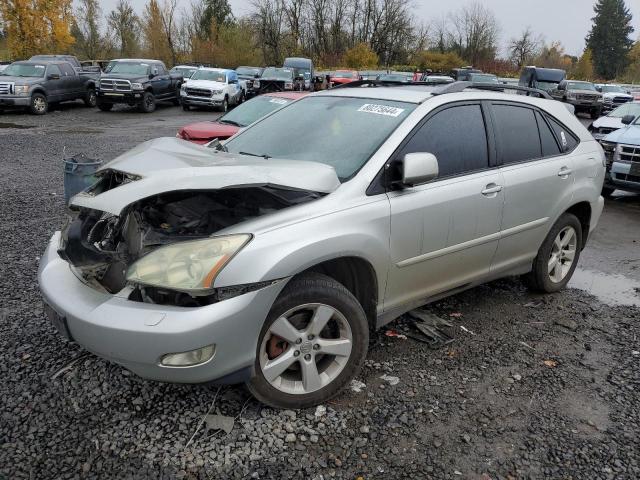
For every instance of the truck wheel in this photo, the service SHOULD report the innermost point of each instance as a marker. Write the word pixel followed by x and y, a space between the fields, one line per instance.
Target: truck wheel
pixel 312 344
pixel 90 98
pixel 176 101
pixel 242 98
pixel 225 105
pixel 148 104
pixel 104 106
pixel 558 256
pixel 39 104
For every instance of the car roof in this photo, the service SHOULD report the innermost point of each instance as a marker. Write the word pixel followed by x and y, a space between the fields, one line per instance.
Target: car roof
pixel 395 94
pixel 215 69
pixel 290 95
pixel 146 60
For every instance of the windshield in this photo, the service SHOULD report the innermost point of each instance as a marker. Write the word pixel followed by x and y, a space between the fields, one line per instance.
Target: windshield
pixel 483 78
pixel 612 89
pixel 250 72
pixel 278 73
pixel 626 109
pixel 185 72
pixel 581 86
pixel 337 131
pixel 24 70
pixel 253 110
pixel 210 75
pixel 547 86
pixel 128 68
pixel 395 78
pixel 344 75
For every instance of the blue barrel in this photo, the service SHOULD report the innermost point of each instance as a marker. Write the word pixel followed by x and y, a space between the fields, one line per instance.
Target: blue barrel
pixel 79 174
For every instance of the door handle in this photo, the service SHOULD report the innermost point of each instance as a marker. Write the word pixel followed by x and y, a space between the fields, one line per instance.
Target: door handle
pixel 491 189
pixel 565 172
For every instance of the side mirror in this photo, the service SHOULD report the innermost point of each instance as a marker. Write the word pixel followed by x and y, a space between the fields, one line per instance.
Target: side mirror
pixel 628 119
pixel 419 168
pixel 53 76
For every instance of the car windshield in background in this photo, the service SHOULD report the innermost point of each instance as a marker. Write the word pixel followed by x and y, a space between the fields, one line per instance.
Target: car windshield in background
pixel 129 68
pixel 185 72
pixel 337 131
pixel 581 86
pixel 344 75
pixel 626 109
pixel 612 89
pixel 546 86
pixel 480 78
pixel 395 78
pixel 24 70
pixel 278 73
pixel 210 75
pixel 253 110
pixel 248 72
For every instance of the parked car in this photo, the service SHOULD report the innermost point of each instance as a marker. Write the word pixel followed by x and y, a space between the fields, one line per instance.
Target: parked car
pixel 269 259
pixel 613 96
pixel 395 77
pixel 483 78
pixel 137 82
pixel 185 71
pixel 212 87
pixel 622 150
pixel 251 76
pixel 238 118
pixel 340 77
pixel 302 67
pixel 463 74
pixel 276 79
pixel 546 79
pixel 91 70
pixel 436 79
pixel 611 122
pixel 582 95
pixel 37 84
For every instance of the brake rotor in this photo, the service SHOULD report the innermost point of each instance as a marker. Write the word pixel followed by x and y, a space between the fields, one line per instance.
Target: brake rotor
pixel 276 346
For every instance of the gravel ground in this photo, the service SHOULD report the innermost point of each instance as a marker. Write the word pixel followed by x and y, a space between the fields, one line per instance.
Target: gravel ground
pixel 532 386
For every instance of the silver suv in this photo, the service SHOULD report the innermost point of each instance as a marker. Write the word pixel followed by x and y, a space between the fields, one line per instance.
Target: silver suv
pixel 269 259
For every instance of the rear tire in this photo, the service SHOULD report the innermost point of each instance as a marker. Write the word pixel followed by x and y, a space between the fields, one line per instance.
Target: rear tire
pixel 39 104
pixel 312 375
pixel 558 256
pixel 148 104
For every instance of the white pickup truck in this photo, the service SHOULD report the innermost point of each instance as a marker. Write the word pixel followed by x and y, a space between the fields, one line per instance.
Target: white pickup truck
pixel 213 87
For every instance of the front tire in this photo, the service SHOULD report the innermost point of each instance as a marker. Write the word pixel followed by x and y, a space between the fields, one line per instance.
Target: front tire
pixel 90 98
pixel 558 256
pixel 148 104
pixel 225 105
pixel 39 104
pixel 176 101
pixel 312 344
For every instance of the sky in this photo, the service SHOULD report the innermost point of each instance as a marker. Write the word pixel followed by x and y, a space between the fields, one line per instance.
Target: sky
pixel 568 21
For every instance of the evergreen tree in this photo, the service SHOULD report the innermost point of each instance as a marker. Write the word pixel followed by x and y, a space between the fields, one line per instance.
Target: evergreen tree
pixel 609 39
pixel 218 11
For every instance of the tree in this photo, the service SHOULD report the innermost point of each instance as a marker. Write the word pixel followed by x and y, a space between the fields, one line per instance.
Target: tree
pixel 436 61
pixel 360 56
pixel 632 74
pixel 159 30
pixel 37 26
pixel 475 33
pixel 89 41
pixel 218 11
pixel 553 56
pixel 584 67
pixel 524 48
pixel 609 38
pixel 125 24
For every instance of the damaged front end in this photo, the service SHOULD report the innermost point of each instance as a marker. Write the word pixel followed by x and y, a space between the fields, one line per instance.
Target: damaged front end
pixel 105 249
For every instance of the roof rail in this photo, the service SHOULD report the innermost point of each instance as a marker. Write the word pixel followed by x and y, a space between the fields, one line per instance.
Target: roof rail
pixel 457 87
pixel 376 83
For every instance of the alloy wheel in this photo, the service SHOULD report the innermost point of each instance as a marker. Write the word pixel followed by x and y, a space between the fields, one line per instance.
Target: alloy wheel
pixel 562 255
pixel 306 348
pixel 39 104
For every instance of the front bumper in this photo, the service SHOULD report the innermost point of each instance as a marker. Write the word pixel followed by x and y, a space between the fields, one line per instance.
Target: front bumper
pixel 137 335
pixel 131 98
pixel 585 104
pixel 14 101
pixel 214 101
pixel 621 176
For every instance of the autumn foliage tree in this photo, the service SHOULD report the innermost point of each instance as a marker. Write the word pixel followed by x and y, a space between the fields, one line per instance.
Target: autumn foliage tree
pixel 36 26
pixel 360 56
pixel 584 67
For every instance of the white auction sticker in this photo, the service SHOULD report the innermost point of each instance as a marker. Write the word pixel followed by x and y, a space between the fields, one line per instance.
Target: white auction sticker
pixel 381 109
pixel 279 101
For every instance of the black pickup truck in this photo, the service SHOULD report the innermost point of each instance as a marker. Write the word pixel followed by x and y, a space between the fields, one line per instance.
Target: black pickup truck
pixel 137 82
pixel 37 84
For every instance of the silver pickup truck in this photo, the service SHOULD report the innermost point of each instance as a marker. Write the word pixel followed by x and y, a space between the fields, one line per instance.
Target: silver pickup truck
pixel 582 95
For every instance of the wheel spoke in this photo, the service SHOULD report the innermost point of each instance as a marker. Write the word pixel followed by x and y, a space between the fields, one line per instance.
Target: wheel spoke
pixel 283 329
pixel 553 261
pixel 276 367
pixel 570 254
pixel 568 237
pixel 320 318
pixel 310 376
pixel 340 347
pixel 557 244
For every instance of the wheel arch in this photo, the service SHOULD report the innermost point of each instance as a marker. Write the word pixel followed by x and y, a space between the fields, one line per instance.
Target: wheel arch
pixel 582 210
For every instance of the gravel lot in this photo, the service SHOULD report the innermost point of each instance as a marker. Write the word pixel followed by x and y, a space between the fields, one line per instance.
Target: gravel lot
pixel 532 386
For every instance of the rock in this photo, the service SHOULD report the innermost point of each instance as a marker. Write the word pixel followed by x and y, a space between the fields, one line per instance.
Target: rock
pixel 364 429
pixel 321 411
pixel 517 377
pixel 220 422
pixel 566 323
pixel 356 386
pixel 391 380
pixel 290 438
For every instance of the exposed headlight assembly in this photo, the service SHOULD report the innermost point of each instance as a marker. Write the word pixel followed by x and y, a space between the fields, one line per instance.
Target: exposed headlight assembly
pixel 216 92
pixel 21 89
pixel 191 266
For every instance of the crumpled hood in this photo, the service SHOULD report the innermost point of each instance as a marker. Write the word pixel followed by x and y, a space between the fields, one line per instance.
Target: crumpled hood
pixel 171 164
pixel 629 135
pixel 209 130
pixel 205 84
pixel 608 122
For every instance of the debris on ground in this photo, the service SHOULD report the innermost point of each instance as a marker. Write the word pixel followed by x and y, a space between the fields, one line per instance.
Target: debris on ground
pixel 391 380
pixel 321 411
pixel 550 363
pixel 357 386
pixel 394 333
pixel 465 329
pixel 566 323
pixel 456 315
pixel 430 328
pixel 220 422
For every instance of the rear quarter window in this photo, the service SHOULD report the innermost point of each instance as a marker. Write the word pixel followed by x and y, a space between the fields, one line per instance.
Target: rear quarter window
pixel 566 138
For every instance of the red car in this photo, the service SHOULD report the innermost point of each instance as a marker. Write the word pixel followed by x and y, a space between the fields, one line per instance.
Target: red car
pixel 241 116
pixel 341 77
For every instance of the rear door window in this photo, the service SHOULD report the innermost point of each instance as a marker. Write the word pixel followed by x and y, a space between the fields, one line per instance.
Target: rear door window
pixel 548 141
pixel 517 132
pixel 67 70
pixel 53 70
pixel 456 136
